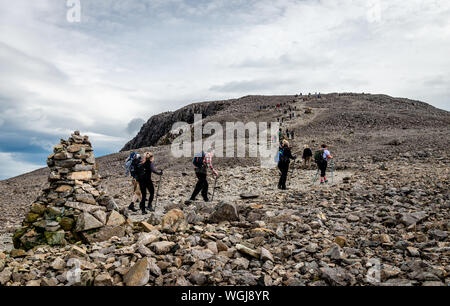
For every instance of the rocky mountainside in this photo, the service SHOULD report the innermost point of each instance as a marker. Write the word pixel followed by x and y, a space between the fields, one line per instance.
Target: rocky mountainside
pixel 383 219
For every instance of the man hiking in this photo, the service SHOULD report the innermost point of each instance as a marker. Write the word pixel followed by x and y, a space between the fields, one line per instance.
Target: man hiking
pixel 321 158
pixel 202 162
pixel 144 177
pixel 307 156
pixel 285 157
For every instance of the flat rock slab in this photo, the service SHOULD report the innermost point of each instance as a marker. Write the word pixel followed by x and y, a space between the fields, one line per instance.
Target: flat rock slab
pixel 248 196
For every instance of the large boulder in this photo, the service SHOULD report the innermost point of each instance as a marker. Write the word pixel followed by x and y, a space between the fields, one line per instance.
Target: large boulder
pixel 173 221
pixel 224 212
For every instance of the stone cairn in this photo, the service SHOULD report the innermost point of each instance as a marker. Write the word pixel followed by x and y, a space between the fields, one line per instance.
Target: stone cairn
pixel 73 207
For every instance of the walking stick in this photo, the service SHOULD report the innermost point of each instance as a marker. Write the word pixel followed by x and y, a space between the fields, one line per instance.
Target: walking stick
pixel 214 188
pixel 315 177
pixel 157 190
pixel 332 177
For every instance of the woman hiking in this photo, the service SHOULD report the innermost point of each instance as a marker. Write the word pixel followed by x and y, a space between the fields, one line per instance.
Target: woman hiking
pixel 307 156
pixel 283 163
pixel 144 178
pixel 321 157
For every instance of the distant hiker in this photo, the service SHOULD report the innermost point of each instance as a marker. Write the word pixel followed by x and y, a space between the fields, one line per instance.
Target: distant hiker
pixel 285 157
pixel 131 165
pixel 321 158
pixel 307 156
pixel 137 195
pixel 280 136
pixel 292 134
pixel 287 133
pixel 144 177
pixel 202 162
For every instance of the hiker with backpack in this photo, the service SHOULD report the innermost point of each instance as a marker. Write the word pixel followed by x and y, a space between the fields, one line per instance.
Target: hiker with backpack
pixel 130 168
pixel 321 158
pixel 307 156
pixel 201 163
pixel 141 169
pixel 284 160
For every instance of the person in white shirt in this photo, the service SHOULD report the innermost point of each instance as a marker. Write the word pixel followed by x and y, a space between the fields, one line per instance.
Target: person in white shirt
pixel 324 163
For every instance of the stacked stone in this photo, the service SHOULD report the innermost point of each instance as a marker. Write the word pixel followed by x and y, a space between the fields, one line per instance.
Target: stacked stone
pixel 72 208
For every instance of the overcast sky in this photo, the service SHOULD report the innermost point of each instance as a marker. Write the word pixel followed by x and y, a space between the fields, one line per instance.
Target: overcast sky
pixel 129 59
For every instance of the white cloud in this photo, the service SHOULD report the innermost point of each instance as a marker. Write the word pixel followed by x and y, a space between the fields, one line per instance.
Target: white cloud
pixel 11 165
pixel 133 59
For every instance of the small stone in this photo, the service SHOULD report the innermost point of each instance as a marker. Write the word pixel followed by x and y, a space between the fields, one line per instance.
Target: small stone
pixel 162 247
pixel 55 238
pixel 224 212
pixel 247 196
pixel 334 253
pixel 198 278
pixel 115 219
pixel 146 238
pixel 80 176
pixel 212 246
pixel 240 263
pixel 266 255
pixel 243 249
pixel 173 221
pixel 388 271
pixel 85 198
pixel 352 218
pixel 341 241
pixel 221 247
pixel 147 227
pixel 139 274
pixel 17 253
pixel 103 279
pixel 87 222
pixel 414 252
pixel 58 264
pixel 384 238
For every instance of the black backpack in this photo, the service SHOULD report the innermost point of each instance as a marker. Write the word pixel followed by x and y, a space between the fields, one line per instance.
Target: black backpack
pixel 198 160
pixel 283 158
pixel 318 156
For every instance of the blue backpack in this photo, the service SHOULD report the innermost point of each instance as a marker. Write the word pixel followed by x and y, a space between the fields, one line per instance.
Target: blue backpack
pixel 130 164
pixel 198 160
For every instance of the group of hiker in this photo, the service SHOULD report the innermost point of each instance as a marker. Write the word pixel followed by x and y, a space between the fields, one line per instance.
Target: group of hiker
pixel 142 167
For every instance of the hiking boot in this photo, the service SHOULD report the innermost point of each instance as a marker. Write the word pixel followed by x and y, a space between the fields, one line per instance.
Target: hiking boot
pixel 326 181
pixel 150 208
pixel 132 208
pixel 206 200
pixel 321 183
pixel 144 212
pixel 188 202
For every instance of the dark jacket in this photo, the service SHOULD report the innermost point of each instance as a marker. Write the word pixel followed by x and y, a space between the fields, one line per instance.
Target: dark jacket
pixel 149 169
pixel 286 157
pixel 144 171
pixel 307 153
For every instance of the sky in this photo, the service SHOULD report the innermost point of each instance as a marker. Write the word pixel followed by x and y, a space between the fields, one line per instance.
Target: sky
pixel 122 61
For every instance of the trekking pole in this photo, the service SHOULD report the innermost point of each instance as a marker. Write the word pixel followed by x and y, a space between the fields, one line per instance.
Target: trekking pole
pixel 315 177
pixel 157 190
pixel 332 177
pixel 214 188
